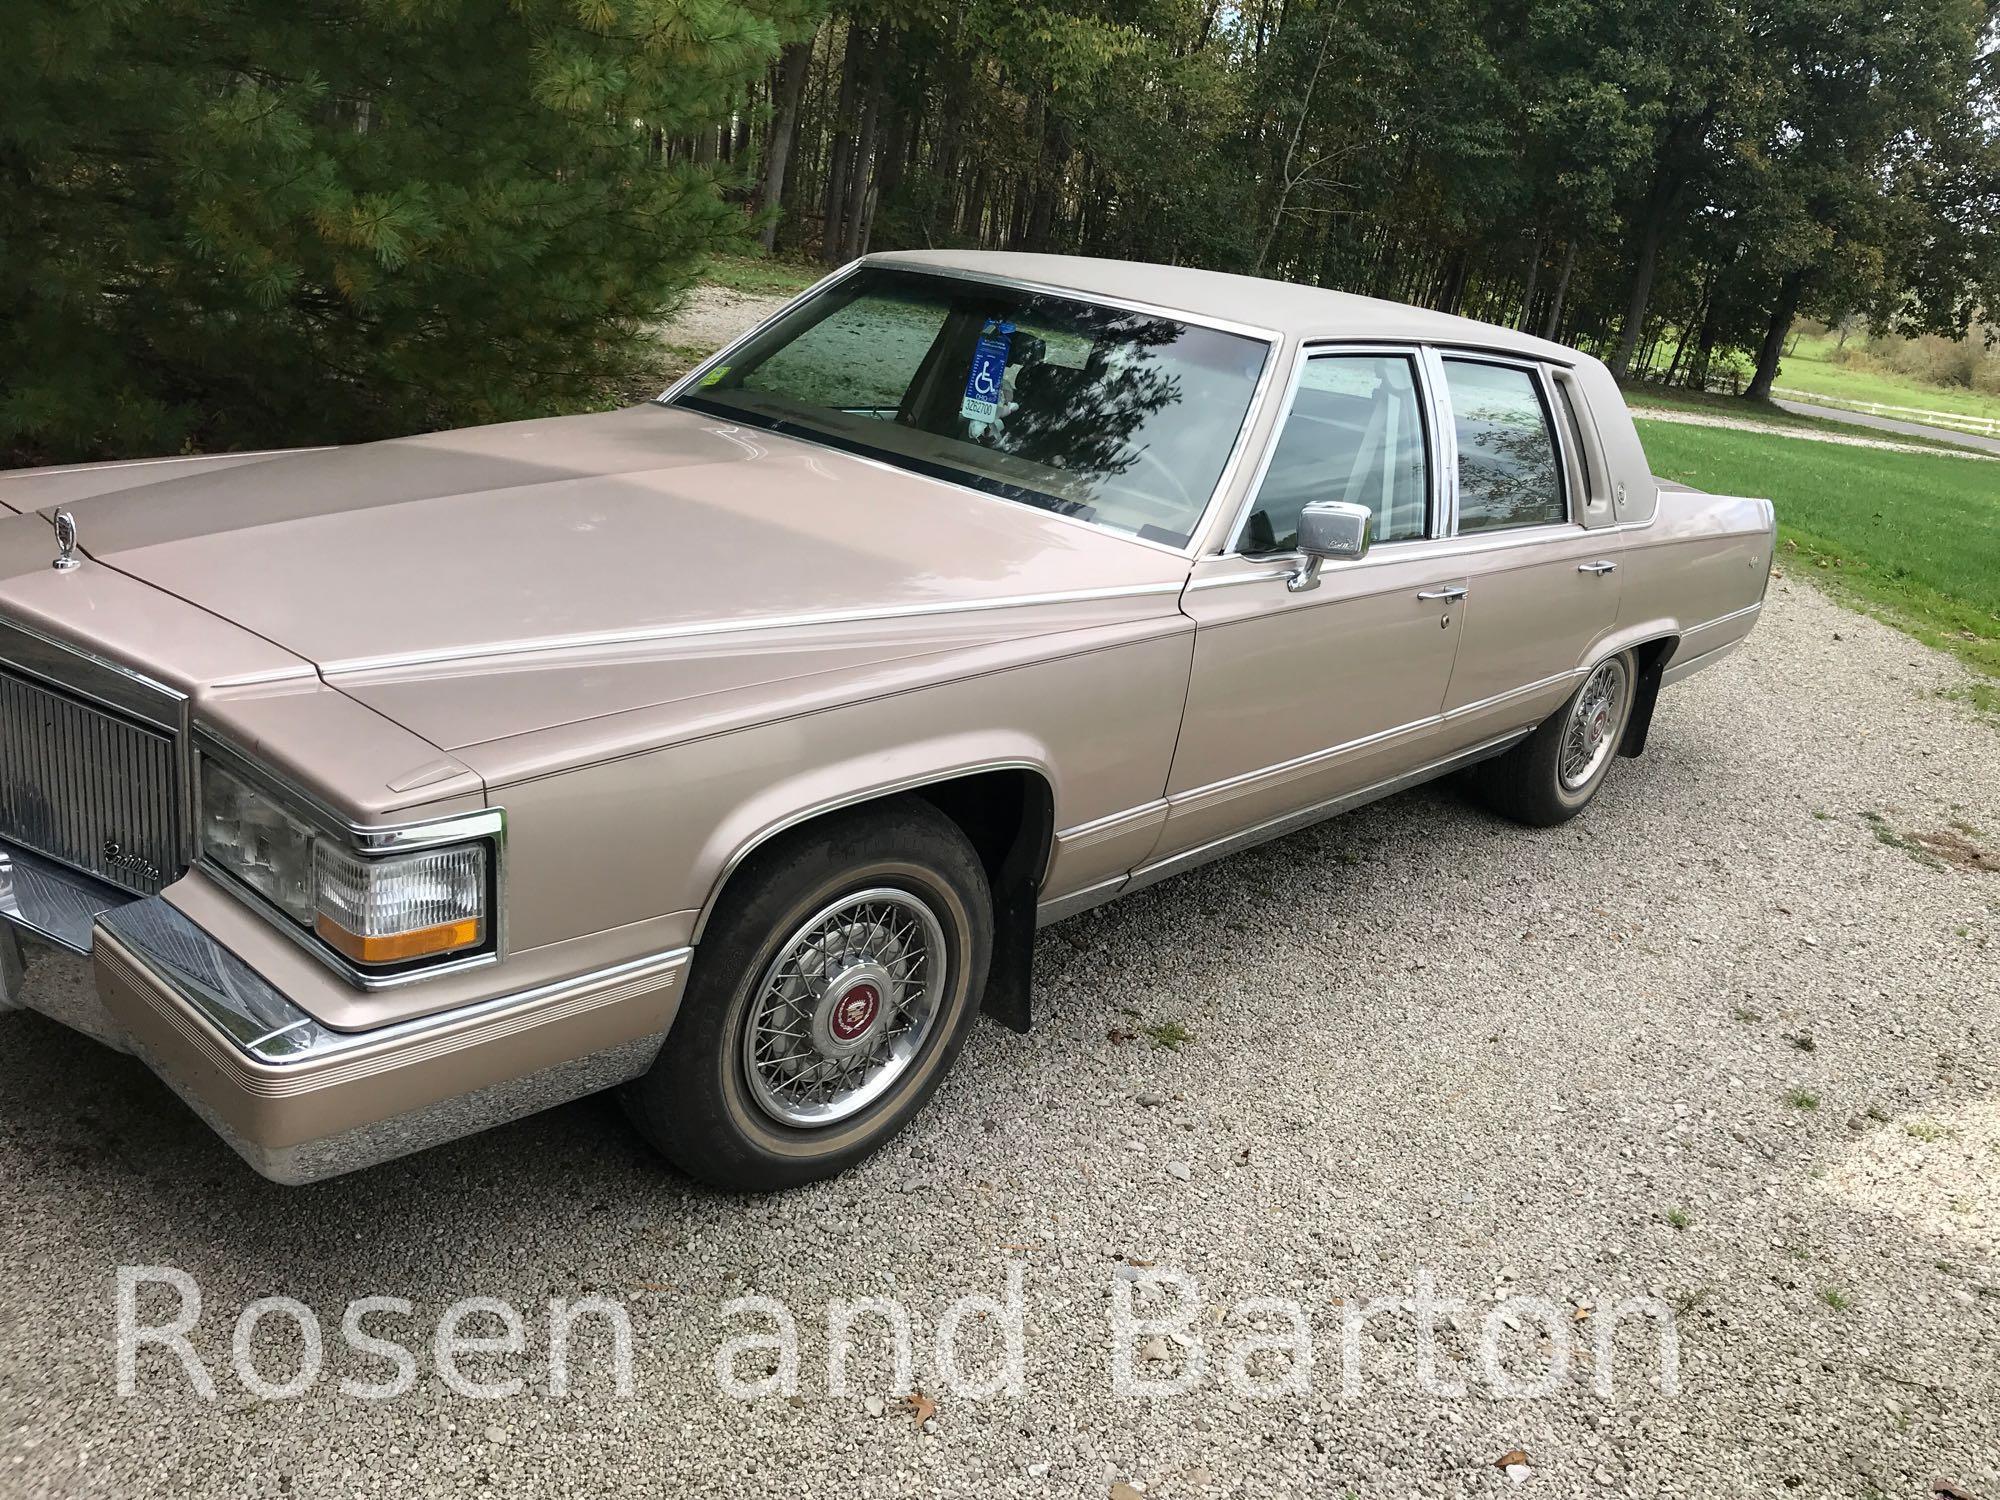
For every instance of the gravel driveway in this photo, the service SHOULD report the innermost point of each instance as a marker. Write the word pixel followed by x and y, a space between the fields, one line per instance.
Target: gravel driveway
pixel 1730 1040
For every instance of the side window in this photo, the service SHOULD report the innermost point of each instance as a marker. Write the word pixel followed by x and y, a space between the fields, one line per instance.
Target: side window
pixel 1507 470
pixel 1356 433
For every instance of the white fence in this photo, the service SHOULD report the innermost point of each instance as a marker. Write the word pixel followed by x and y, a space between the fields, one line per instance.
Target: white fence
pixel 1958 421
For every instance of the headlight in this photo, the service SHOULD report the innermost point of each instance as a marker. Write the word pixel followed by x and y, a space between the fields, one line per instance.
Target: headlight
pixel 372 909
pixel 258 842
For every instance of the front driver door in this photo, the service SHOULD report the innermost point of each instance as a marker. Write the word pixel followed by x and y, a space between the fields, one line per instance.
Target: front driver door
pixel 1298 698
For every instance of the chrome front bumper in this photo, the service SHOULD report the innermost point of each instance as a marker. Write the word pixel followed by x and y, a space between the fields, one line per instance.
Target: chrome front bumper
pixel 298 1100
pixel 50 901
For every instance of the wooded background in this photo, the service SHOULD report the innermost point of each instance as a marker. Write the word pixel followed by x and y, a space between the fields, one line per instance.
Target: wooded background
pixel 308 220
pixel 1609 174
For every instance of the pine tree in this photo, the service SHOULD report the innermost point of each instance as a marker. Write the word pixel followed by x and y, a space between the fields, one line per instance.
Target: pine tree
pixel 231 223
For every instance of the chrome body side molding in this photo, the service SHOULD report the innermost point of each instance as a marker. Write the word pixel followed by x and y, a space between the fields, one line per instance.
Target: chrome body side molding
pixel 1188 859
pixel 1305 817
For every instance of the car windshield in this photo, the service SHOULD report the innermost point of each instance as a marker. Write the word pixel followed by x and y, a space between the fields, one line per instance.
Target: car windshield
pixel 1122 418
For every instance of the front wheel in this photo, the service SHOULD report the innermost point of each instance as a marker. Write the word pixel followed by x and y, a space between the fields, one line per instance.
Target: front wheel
pixel 1551 776
pixel 834 987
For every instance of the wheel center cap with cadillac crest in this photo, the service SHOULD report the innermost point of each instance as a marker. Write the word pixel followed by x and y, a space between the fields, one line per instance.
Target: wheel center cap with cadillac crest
pixel 852 1010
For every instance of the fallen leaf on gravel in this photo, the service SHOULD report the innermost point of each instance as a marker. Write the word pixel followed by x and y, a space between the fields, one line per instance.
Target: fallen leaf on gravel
pixel 1582 1313
pixel 1123 1491
pixel 1511 1456
pixel 921 1406
pixel 1117 1037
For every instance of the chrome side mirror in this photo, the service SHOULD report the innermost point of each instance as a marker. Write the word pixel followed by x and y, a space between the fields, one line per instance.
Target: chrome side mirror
pixel 1330 531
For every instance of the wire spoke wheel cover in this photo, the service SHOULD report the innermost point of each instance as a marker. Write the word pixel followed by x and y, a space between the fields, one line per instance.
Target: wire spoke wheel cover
pixel 1591 735
pixel 845 1007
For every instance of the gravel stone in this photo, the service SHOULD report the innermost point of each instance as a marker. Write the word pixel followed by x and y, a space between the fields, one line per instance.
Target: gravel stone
pixel 1364 1128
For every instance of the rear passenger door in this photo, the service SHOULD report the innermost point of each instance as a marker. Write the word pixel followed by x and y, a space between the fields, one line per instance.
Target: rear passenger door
pixel 1542 586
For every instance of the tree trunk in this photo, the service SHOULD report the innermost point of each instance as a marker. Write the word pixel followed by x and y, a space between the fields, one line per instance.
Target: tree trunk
pixel 1782 313
pixel 1048 187
pixel 861 173
pixel 784 130
pixel 1658 204
pixel 1704 346
pixel 1553 323
pixel 1534 275
pixel 835 196
pixel 1454 283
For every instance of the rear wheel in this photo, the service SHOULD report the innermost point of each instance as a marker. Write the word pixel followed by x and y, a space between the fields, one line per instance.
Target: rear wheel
pixel 834 987
pixel 1551 776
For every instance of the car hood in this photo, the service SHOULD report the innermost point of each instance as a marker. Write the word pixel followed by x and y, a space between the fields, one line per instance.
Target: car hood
pixel 489 582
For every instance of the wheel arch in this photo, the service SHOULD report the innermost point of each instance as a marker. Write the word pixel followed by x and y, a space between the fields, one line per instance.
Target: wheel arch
pixel 1006 809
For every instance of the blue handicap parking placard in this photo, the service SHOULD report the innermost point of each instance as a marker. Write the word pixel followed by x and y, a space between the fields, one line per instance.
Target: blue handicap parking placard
pixel 981 402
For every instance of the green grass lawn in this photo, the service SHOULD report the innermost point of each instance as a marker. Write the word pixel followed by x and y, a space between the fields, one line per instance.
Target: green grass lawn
pixel 763 275
pixel 1912 537
pixel 1808 368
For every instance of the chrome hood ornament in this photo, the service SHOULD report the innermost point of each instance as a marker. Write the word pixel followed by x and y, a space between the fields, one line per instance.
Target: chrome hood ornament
pixel 65 542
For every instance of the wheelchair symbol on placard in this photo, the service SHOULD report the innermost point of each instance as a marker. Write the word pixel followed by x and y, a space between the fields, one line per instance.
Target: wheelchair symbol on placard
pixel 984 385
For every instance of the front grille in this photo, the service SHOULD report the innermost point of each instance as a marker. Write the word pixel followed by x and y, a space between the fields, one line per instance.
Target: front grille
pixel 86 786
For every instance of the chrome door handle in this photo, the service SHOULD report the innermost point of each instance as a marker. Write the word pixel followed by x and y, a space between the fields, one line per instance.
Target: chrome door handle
pixel 1449 591
pixel 1600 566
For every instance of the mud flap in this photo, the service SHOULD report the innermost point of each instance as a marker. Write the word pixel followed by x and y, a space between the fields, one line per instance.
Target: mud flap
pixel 1010 974
pixel 1646 693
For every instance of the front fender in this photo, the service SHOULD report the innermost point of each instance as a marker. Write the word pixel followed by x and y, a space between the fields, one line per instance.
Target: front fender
pixel 824 788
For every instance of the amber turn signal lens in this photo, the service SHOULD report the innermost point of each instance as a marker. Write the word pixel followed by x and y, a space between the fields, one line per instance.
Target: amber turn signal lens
pixel 395 947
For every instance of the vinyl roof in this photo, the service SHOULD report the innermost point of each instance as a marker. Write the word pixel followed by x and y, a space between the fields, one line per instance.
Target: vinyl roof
pixel 1306 312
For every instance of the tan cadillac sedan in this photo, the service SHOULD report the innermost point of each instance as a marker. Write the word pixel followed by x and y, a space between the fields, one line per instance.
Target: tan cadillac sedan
pixel 729 750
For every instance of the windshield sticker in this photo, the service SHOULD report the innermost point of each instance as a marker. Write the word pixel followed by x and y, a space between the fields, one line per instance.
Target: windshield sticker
pixel 715 375
pixel 981 402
